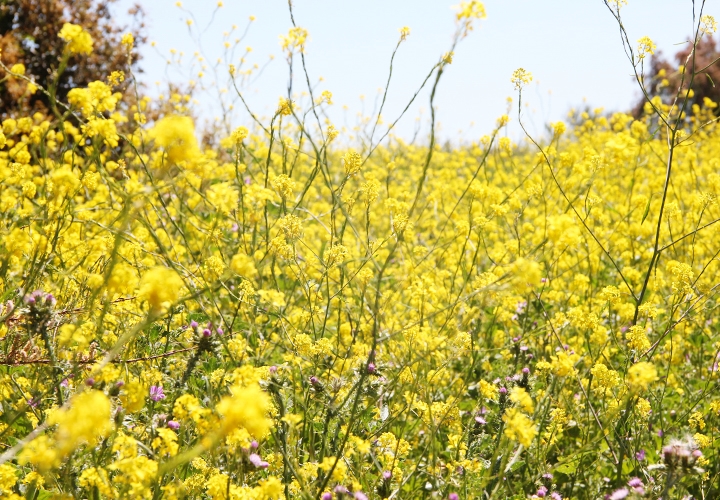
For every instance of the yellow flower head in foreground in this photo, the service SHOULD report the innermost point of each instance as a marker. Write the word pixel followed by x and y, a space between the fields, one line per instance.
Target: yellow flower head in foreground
pixel 78 40
pixel 246 407
pixel 160 286
pixel 641 375
pixel 519 427
pixel 7 478
pixel 84 422
pixel 176 134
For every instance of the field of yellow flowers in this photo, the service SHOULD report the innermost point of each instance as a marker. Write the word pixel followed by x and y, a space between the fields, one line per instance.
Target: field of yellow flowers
pixel 278 317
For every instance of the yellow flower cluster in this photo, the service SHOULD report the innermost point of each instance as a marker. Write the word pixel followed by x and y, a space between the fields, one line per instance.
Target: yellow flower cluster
pixel 267 313
pixel 78 40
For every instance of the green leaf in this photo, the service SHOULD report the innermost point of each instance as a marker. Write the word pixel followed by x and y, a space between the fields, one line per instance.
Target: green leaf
pixel 44 495
pixel 568 468
pixel 628 467
pixel 515 466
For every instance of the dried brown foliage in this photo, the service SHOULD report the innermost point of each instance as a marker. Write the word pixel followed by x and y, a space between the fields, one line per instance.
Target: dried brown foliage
pixel 29 35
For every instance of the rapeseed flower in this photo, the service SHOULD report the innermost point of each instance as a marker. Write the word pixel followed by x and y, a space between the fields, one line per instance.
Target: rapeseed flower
pixel 78 40
pixel 176 135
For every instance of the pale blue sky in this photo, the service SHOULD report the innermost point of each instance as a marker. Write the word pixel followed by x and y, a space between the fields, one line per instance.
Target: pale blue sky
pixel 572 47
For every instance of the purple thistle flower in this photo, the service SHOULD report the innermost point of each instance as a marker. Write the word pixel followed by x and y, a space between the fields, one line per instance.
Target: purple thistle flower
pixel 156 393
pixel 173 425
pixel 635 482
pixel 637 485
pixel 257 461
pixel 619 494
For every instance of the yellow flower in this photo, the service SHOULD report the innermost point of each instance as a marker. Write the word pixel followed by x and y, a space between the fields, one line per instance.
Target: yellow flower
pixel 472 9
pixel 708 25
pixel 335 255
pixel 85 421
pixel 604 377
pixel 78 40
pixel 643 408
pixel 248 407
pixel 243 265
pixel 160 287
pixel 8 478
pixel 223 196
pixel 239 134
pixel 702 440
pixel 40 452
pixel 488 390
pixel 176 134
pixel 291 226
pixel 645 47
pixel 284 107
pixel 520 397
pixel 637 339
pixel 519 427
pixel 564 364
pixel 520 78
pixel 283 185
pixel 128 40
pixel 640 376
pixel 97 477
pixel 295 39
pixel 166 442
pixel 697 421
pixel 98 97
pixel 18 69
pixel 352 162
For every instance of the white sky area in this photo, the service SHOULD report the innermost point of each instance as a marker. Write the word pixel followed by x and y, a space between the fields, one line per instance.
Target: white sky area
pixel 572 48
